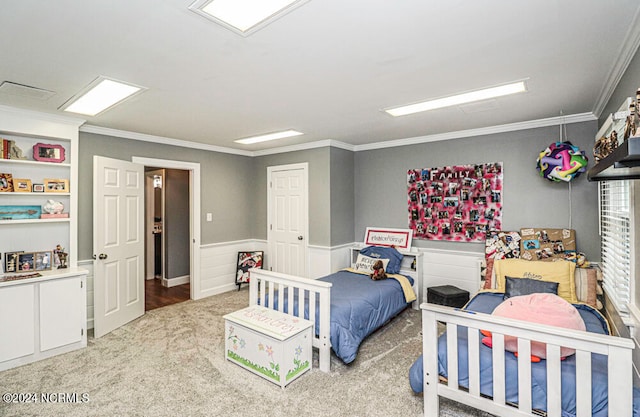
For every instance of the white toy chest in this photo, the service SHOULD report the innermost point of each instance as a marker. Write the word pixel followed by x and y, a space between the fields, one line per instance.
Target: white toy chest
pixel 269 343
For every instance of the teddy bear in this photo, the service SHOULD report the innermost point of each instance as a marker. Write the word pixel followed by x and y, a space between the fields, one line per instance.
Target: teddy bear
pixel 378 271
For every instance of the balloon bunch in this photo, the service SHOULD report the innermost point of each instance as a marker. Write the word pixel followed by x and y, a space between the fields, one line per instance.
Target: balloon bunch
pixel 561 161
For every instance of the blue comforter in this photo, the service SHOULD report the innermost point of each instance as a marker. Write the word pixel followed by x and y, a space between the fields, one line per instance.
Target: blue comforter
pixel 359 306
pixel 486 303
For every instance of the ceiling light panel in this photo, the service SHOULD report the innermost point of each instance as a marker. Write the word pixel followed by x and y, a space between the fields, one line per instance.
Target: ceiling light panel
pixel 469 97
pixel 102 94
pixel 269 136
pixel 244 16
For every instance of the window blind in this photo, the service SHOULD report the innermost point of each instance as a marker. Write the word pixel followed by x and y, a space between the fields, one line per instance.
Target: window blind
pixel 615 238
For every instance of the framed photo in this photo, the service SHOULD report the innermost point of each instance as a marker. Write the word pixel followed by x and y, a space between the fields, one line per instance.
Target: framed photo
pixel 6 182
pixel 26 261
pixel 246 261
pixel 21 185
pixel 37 188
pixel 52 185
pixel 11 261
pixel 48 153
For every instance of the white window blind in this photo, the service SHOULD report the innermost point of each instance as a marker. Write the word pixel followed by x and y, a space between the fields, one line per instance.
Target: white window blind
pixel 615 237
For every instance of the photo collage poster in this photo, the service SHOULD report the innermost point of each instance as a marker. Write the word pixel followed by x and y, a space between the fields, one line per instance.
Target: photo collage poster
pixel 458 203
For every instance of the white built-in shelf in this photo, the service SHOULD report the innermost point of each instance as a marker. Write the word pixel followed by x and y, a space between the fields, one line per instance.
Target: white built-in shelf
pixel 25 221
pixel 30 162
pixel 14 194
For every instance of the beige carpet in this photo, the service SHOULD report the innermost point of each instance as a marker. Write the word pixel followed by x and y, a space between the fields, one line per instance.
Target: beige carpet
pixel 170 362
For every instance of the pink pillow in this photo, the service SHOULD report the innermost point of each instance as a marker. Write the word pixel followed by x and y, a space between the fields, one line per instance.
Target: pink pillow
pixel 543 308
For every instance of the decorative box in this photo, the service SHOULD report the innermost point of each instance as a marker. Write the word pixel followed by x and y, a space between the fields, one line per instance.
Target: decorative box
pixel 274 345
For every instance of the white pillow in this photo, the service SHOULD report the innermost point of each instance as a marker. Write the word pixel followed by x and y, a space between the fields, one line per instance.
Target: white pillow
pixel 364 264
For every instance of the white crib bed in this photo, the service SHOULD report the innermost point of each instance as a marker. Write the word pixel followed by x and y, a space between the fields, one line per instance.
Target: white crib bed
pixel 264 285
pixel 617 350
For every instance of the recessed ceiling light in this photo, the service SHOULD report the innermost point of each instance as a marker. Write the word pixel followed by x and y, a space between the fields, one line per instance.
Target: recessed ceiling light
pixel 244 16
pixel 269 136
pixel 102 94
pixel 477 95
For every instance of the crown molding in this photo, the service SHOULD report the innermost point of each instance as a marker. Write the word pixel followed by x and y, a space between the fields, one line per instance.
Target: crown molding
pixel 306 146
pixel 511 127
pixel 628 50
pixel 160 139
pixel 47 117
pixel 532 124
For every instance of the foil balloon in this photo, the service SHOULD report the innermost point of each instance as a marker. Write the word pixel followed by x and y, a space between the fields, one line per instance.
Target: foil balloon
pixel 561 161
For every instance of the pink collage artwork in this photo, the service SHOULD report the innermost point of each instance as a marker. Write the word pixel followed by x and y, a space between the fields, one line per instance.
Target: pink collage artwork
pixel 457 203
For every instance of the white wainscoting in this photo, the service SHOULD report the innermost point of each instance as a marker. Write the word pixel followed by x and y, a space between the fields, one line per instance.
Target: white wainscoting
pixel 218 265
pixel 324 260
pixel 445 267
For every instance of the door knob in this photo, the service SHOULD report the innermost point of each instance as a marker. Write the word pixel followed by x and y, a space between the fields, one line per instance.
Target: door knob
pixel 300 238
pixel 102 256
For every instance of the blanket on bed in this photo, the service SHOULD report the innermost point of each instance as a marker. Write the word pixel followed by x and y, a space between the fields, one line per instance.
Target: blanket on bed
pixel 485 303
pixel 359 306
pixel 407 288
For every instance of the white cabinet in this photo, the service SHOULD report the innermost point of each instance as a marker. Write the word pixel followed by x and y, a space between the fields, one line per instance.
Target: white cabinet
pixel 42 317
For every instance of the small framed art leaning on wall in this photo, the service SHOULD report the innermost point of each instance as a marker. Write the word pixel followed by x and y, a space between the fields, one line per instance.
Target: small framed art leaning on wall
pixel 246 261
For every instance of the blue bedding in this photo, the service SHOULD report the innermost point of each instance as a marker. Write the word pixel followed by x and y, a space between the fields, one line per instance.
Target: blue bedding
pixel 359 306
pixel 486 303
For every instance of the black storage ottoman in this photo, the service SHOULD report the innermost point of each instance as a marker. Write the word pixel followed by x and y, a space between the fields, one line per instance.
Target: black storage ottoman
pixel 447 295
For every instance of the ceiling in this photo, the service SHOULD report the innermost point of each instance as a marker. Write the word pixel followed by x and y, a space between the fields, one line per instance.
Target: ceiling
pixel 327 68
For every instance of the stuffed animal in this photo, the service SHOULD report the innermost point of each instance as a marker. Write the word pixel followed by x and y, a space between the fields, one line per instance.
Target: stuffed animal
pixel 378 271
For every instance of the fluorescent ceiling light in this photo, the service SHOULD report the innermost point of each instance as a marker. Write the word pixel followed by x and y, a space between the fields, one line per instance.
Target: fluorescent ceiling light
pixel 270 136
pixel 99 96
pixel 244 16
pixel 484 94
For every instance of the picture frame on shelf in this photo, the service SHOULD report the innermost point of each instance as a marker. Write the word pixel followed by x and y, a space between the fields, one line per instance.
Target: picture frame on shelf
pixel 21 185
pixel 11 261
pixel 45 152
pixel 37 188
pixel 53 185
pixel 246 261
pixel 6 183
pixel 20 212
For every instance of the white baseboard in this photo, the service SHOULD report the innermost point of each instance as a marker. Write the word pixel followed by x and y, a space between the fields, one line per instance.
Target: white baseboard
pixel 172 282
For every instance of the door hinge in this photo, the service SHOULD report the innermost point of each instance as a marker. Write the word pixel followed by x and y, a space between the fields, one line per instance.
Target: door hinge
pixel 81 284
pixel 270 184
pixel 81 332
pixel 270 227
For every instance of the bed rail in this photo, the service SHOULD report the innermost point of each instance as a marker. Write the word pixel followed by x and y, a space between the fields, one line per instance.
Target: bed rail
pixel 618 351
pixel 264 285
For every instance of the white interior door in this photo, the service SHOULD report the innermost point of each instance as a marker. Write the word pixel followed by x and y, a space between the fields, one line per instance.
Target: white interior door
pixel 288 219
pixel 118 243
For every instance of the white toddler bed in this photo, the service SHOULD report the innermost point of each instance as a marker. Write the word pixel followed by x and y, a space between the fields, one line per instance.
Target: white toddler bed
pixel 596 380
pixel 617 350
pixel 303 293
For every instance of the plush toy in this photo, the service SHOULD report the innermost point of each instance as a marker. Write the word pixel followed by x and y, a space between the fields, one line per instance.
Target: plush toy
pixel 378 271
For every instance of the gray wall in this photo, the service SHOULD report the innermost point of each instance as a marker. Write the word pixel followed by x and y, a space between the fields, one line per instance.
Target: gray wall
pixel 226 189
pixel 627 86
pixel 319 192
pixel 342 197
pixel 176 223
pixel 528 199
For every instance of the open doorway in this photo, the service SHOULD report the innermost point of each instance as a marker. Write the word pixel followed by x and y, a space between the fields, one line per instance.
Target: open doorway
pixel 167 237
